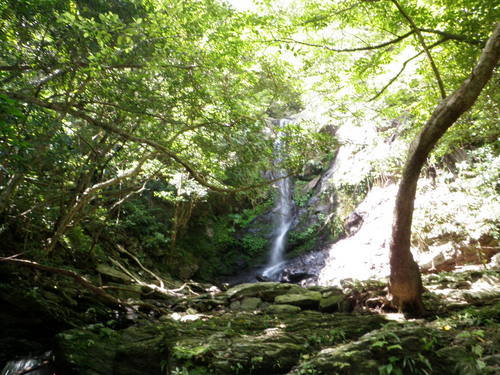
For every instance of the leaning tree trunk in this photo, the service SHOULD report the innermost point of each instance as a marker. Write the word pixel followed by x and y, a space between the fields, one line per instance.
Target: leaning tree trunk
pixel 405 280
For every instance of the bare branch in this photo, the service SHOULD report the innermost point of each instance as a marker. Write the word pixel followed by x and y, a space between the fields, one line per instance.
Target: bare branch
pixel 403 67
pixel 41 81
pixel 354 49
pixel 132 193
pixel 159 279
pixel 424 46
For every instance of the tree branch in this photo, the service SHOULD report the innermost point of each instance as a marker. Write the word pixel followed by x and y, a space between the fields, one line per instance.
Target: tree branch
pixel 424 46
pixel 391 81
pixel 15 68
pixel 451 36
pixel 354 49
pixel 130 194
pixel 79 113
pixel 105 297
pixel 87 196
pixel 81 64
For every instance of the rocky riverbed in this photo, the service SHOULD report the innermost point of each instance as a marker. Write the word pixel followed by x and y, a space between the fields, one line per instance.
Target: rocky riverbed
pixel 277 328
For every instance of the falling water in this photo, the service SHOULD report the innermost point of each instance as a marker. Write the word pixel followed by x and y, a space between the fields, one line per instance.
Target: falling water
pixel 283 215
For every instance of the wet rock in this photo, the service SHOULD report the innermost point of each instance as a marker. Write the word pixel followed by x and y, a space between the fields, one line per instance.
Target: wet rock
pixel 35 365
pixel 289 277
pixel 262 278
pixel 305 268
pixel 353 223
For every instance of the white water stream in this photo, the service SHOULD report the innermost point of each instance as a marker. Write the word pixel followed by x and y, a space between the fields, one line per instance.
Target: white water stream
pixel 283 214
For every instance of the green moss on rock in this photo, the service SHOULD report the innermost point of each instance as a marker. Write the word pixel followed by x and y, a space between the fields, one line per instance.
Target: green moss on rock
pixel 306 299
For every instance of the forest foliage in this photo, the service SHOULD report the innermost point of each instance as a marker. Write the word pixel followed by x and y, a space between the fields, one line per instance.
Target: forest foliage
pixel 146 122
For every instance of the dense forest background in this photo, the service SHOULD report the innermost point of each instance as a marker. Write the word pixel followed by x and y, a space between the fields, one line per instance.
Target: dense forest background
pixel 137 138
pixel 126 122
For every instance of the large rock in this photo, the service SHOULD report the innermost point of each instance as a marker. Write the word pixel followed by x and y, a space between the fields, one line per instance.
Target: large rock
pixel 98 350
pixel 305 299
pixel 309 264
pixel 241 343
pixel 399 348
pixel 331 303
pixel 267 291
pixel 250 303
pixel 113 273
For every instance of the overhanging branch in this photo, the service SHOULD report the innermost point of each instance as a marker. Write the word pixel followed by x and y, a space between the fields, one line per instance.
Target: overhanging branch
pixel 456 37
pixel 160 148
pixel 424 46
pixel 403 67
pixel 354 49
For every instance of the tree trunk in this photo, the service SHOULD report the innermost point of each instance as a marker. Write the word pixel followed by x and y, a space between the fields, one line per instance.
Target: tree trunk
pixel 88 195
pixel 10 189
pixel 405 280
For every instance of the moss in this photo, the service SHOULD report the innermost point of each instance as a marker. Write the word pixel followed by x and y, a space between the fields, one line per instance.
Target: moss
pixel 240 342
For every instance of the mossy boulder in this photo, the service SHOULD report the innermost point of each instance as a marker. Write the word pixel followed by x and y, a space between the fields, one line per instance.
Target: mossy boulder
pixel 250 303
pixel 267 291
pixel 204 303
pixel 222 344
pixel 331 303
pixel 398 348
pixel 306 299
pixel 99 350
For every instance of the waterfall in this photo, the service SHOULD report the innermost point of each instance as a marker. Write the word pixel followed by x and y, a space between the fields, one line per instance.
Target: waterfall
pixel 283 214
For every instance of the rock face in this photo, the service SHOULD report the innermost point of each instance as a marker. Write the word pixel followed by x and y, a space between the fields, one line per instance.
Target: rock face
pixel 365 254
pixel 304 269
